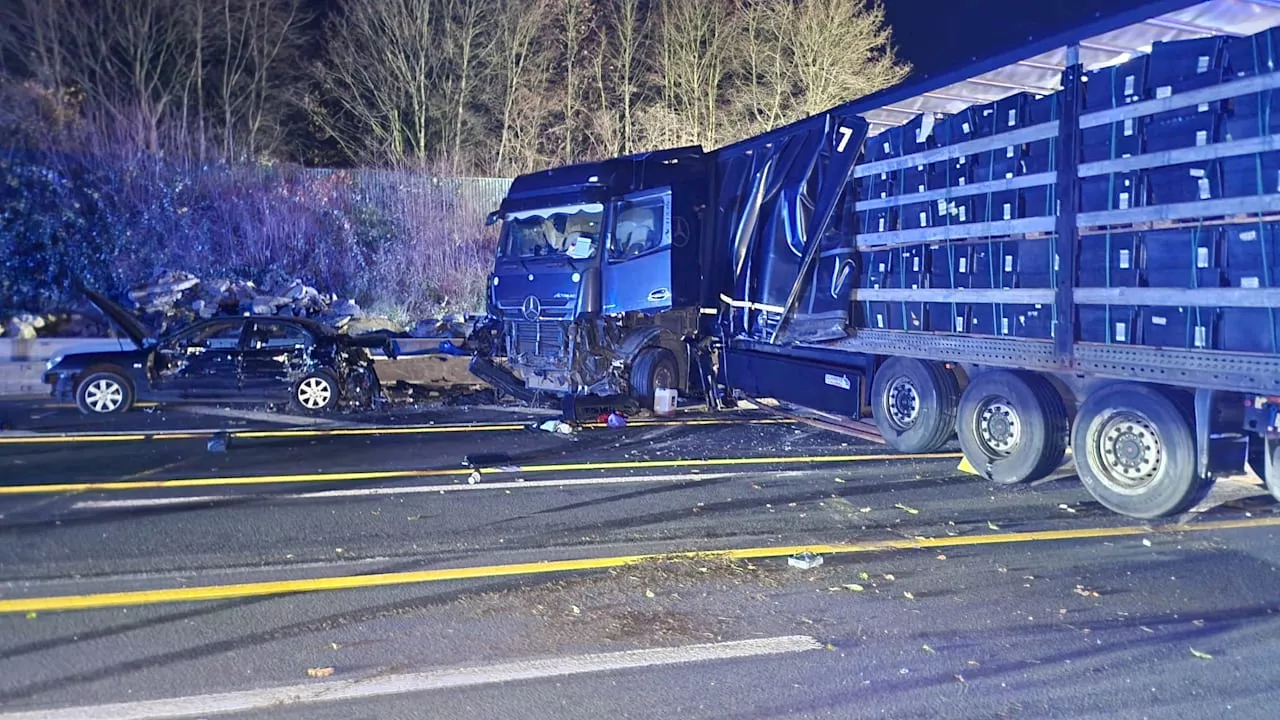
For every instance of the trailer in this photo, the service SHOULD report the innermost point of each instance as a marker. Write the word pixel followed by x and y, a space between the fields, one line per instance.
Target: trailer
pixel 1072 246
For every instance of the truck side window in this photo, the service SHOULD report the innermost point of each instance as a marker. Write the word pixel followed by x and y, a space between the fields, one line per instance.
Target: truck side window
pixel 641 225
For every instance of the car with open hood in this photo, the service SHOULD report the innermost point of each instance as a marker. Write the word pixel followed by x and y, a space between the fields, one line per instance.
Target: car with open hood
pixel 223 359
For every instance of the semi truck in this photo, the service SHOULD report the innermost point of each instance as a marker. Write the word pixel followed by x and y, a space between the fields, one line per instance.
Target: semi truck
pixel 1071 247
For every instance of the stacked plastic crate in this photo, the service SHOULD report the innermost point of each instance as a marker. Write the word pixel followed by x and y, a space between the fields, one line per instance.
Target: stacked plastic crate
pixel 1189 254
pixel 982 264
pixel 1251 252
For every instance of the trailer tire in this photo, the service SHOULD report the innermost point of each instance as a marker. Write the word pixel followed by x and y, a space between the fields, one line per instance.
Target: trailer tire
pixel 653 368
pixel 1135 451
pixel 1012 426
pixel 914 404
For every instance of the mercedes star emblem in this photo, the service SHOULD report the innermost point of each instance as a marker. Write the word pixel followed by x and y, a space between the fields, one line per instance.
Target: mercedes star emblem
pixel 532 308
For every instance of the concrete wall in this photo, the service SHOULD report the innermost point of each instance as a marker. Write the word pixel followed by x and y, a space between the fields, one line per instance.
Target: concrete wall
pixel 22 363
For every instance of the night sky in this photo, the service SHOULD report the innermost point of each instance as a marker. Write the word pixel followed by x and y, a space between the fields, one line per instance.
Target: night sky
pixel 941 35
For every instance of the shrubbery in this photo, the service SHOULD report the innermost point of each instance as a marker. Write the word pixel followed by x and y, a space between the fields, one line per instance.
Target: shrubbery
pixel 400 243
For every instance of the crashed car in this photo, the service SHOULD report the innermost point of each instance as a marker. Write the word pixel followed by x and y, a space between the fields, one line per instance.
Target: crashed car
pixel 223 359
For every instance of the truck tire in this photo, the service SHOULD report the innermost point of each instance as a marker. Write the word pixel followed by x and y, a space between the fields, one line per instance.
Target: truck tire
pixel 1012 426
pixel 653 368
pixel 914 404
pixel 104 392
pixel 1135 451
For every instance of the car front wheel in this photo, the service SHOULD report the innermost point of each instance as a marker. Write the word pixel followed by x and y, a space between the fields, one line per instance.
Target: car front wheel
pixel 104 393
pixel 317 392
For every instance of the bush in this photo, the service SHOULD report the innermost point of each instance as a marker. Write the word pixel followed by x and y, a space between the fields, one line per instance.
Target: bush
pixel 393 240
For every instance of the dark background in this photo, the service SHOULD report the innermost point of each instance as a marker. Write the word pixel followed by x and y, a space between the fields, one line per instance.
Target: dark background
pixel 941 35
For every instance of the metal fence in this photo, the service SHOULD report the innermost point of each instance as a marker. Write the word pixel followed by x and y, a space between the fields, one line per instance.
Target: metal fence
pixel 466 200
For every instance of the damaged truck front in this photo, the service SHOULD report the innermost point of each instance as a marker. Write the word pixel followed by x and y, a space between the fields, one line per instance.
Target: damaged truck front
pixel 596 286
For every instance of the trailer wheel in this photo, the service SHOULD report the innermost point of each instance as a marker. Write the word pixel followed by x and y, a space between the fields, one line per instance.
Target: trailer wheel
pixel 654 368
pixel 914 404
pixel 1012 426
pixel 1135 451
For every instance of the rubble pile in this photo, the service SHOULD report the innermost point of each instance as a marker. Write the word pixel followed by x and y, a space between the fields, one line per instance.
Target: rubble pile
pixel 177 298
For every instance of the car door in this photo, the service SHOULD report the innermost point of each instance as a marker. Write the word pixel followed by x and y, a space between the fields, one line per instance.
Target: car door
pixel 637 273
pixel 273 351
pixel 202 361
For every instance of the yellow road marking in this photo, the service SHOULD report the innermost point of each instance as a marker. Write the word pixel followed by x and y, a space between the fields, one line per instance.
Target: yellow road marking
pixel 350 582
pixel 351 432
pixel 41 489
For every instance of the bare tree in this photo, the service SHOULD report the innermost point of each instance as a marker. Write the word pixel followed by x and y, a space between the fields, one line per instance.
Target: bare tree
pixel 800 57
pixel 381 80
pixel 467 47
pixel 691 68
pixel 574 33
pixel 133 60
pixel 40 34
pixel 520 72
pixel 627 23
pixel 258 41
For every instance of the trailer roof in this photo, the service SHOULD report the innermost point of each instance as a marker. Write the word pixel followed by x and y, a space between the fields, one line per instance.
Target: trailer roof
pixel 1037 67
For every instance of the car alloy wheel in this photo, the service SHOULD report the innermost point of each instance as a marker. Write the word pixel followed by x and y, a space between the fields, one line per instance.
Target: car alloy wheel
pixel 314 393
pixel 104 395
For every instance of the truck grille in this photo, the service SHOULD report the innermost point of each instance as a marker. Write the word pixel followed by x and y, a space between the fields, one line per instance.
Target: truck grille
pixel 544 339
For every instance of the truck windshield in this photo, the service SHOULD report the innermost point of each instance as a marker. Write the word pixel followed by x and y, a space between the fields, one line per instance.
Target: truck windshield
pixel 572 232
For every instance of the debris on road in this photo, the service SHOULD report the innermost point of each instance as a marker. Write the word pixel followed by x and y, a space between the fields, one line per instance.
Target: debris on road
pixel 907 509
pixel 319 672
pixel 1083 591
pixel 1201 655
pixel 616 421
pixel 557 427
pixel 219 442
pixel 474 477
pixel 805 561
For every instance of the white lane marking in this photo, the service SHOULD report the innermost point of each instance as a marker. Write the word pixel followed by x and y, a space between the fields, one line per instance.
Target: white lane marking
pixel 394 490
pixel 379 686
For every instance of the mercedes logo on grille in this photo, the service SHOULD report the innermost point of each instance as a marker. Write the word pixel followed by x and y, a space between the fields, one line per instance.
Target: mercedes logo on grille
pixel 532 308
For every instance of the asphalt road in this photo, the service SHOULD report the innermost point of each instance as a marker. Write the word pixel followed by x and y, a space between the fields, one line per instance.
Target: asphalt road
pixel 206 578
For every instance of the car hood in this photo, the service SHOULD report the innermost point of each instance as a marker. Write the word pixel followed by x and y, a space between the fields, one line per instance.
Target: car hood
pixel 124 320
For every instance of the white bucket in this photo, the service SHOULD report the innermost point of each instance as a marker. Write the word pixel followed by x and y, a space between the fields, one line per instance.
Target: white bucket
pixel 664 401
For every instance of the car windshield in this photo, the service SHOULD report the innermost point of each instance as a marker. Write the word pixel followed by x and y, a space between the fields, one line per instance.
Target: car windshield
pixel 572 232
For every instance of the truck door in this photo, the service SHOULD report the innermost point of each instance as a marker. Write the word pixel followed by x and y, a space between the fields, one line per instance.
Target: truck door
pixel 637 270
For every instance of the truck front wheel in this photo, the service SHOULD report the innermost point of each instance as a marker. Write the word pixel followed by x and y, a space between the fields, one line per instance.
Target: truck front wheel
pixel 654 368
pixel 1135 451
pixel 914 404
pixel 1012 426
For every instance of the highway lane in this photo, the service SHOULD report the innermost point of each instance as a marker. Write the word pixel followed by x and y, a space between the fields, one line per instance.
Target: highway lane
pixel 1135 601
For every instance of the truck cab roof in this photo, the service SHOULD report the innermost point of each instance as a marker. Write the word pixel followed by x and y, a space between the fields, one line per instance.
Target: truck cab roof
pixel 595 181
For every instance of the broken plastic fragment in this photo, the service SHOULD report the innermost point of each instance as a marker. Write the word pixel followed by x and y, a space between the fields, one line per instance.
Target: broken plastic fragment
pixel 805 561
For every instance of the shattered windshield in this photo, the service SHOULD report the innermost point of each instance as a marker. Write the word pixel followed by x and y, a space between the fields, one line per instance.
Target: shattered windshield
pixel 572 232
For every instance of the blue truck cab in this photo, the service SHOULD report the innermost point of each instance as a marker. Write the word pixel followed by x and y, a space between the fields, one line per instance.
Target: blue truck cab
pixel 596 282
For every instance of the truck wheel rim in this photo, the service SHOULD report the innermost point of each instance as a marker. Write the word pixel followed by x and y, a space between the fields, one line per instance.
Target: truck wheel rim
pixel 1130 453
pixel 104 395
pixel 902 403
pixel 999 427
pixel 314 393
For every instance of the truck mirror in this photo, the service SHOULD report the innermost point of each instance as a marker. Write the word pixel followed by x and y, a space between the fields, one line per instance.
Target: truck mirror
pixel 492 218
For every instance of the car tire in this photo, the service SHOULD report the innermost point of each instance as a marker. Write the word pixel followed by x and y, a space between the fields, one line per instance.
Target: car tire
pixel 1135 451
pixel 653 368
pixel 317 392
pixel 104 392
pixel 914 404
pixel 1012 426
